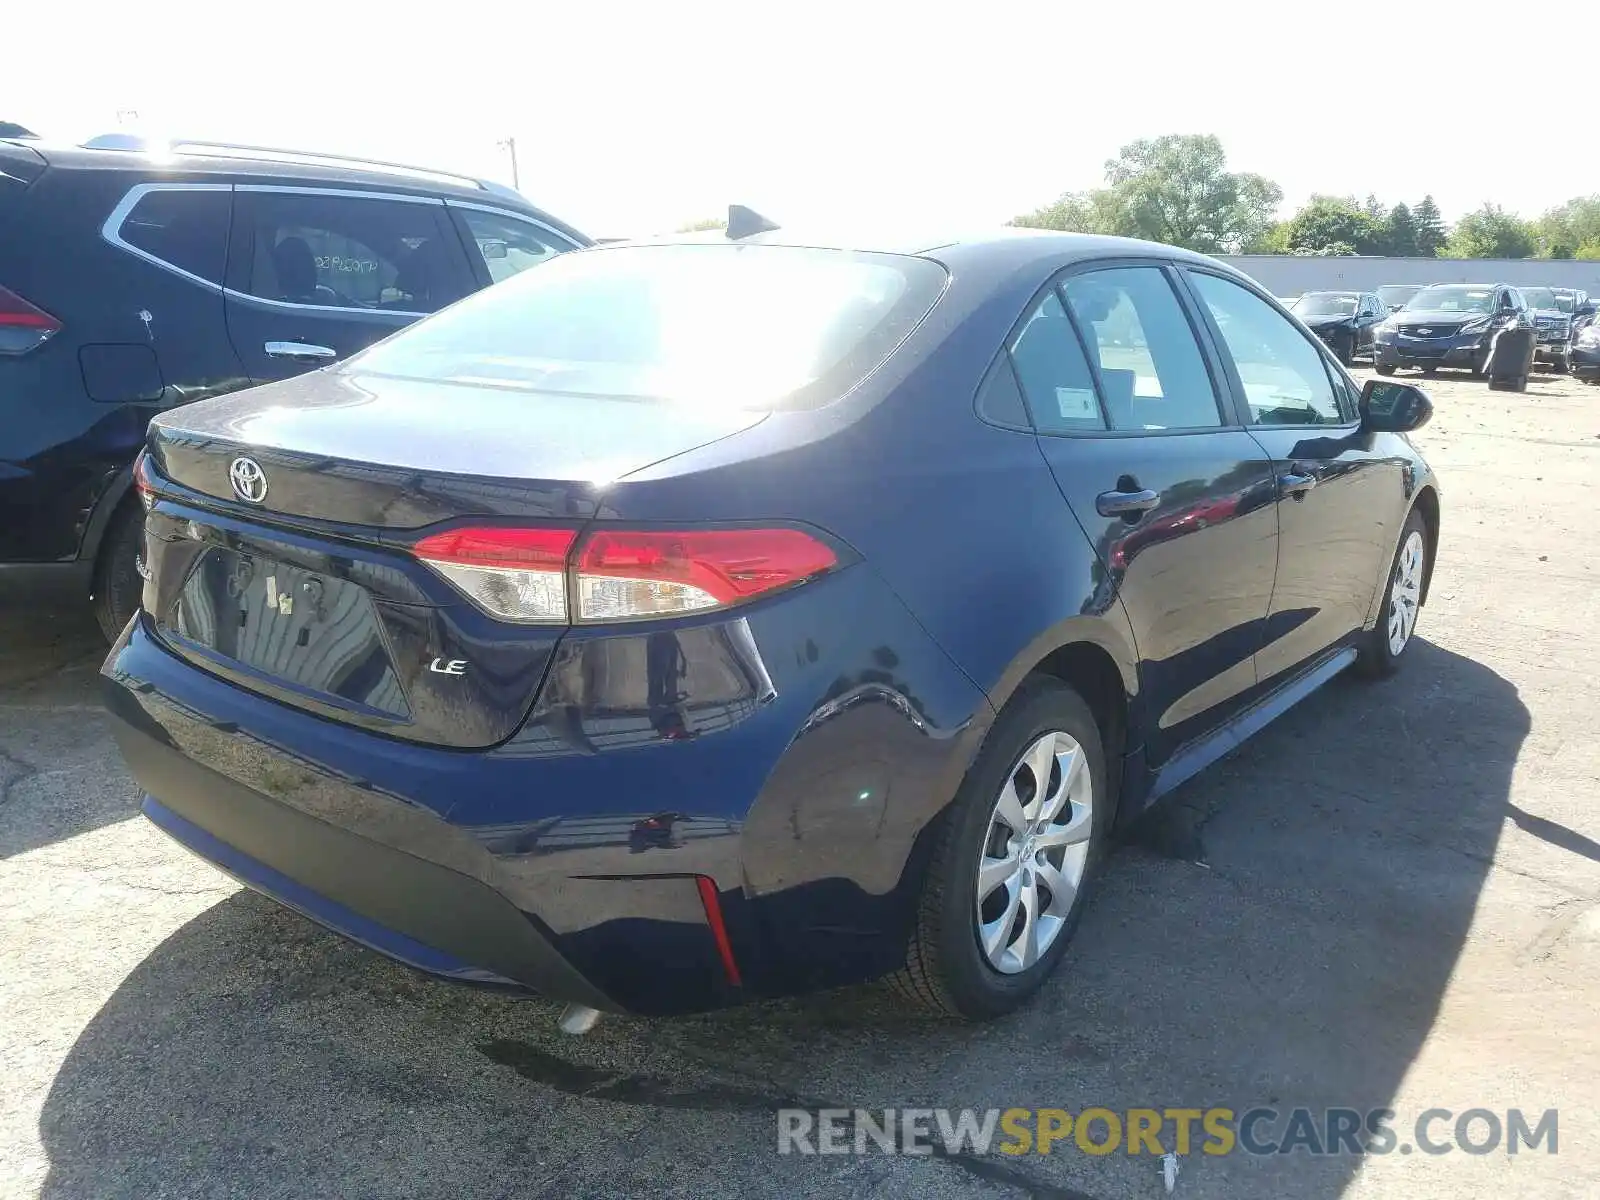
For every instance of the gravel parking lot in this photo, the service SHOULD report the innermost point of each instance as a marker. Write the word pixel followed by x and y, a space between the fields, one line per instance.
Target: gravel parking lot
pixel 1389 898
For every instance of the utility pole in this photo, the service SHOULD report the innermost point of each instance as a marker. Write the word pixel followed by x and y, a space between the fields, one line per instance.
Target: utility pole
pixel 510 144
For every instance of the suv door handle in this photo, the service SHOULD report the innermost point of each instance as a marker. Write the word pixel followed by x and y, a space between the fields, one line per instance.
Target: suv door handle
pixel 300 351
pixel 1295 484
pixel 1126 504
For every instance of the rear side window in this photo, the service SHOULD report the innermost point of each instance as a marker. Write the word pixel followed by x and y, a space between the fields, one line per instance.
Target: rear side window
pixel 721 324
pixel 508 246
pixel 1055 376
pixel 341 251
pixel 186 229
pixel 1151 369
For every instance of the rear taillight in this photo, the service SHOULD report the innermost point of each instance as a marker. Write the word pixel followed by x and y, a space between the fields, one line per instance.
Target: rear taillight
pixel 516 574
pixel 141 481
pixel 23 326
pixel 625 575
pixel 525 575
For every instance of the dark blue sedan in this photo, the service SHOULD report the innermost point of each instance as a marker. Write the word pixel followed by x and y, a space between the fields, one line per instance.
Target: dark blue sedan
pixel 677 624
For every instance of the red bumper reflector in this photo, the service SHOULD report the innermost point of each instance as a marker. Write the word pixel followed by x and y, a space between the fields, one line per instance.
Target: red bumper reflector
pixel 712 903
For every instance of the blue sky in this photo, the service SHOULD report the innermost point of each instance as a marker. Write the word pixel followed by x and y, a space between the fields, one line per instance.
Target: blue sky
pixel 632 118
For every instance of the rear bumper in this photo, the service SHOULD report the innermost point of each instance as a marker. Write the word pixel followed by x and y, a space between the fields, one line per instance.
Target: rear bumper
pixel 592 858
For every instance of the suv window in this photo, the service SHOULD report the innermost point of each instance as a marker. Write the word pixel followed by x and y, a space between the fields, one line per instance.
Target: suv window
pixel 1151 370
pixel 1055 376
pixel 341 251
pixel 1286 381
pixel 508 246
pixel 184 228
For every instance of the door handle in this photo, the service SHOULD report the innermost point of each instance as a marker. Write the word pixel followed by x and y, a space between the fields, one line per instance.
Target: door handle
pixel 1126 504
pixel 1293 483
pixel 299 351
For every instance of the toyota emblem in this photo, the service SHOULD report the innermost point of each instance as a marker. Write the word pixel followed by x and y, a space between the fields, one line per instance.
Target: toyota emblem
pixel 248 479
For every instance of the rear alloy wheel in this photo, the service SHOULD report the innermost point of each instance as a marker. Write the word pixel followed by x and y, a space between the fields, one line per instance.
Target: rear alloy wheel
pixel 1034 854
pixel 1383 645
pixel 1015 859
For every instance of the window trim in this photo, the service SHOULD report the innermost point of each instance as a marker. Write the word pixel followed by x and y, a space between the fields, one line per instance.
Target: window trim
pixel 1240 402
pixel 111 228
pixel 343 193
pixel 1226 413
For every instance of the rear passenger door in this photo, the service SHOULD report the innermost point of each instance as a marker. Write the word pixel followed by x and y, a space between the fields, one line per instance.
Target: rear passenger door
pixel 316 274
pixel 1339 503
pixel 1175 496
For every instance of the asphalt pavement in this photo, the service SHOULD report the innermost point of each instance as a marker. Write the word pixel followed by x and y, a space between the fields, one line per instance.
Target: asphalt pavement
pixel 1389 898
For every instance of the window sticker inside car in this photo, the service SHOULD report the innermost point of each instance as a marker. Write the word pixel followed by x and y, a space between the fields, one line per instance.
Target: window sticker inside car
pixel 1077 402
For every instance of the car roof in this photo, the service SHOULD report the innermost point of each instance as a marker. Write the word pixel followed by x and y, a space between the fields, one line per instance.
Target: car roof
pixel 200 160
pixel 995 246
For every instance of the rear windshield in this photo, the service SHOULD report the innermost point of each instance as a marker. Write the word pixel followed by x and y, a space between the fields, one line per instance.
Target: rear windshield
pixel 740 326
pixel 1453 299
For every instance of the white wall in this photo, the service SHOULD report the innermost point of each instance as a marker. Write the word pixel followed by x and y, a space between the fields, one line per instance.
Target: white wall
pixel 1291 274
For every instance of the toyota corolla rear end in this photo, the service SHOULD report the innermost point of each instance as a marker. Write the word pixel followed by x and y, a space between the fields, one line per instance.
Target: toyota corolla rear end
pixel 515 650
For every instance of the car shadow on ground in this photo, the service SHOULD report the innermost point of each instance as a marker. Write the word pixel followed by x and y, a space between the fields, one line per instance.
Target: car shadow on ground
pixel 56 778
pixel 1288 945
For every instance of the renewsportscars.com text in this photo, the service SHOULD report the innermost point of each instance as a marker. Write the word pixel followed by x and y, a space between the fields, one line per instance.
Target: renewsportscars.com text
pixel 1161 1131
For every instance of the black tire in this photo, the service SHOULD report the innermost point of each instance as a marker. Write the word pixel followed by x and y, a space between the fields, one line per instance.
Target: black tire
pixel 1560 367
pixel 1378 658
pixel 117 585
pixel 946 970
pixel 1429 372
pixel 1345 351
pixel 1383 368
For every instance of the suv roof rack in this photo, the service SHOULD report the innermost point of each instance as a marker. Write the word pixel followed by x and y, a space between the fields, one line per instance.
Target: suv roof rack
pixel 139 144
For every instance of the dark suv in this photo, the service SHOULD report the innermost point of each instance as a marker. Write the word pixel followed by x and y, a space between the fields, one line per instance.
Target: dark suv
pixel 1449 325
pixel 135 278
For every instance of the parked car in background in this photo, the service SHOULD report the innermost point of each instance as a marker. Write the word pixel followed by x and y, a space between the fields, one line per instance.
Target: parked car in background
pixel 1395 295
pixel 1343 320
pixel 134 278
pixel 1568 299
pixel 1583 312
pixel 629 633
pixel 1554 328
pixel 1449 325
pixel 1585 360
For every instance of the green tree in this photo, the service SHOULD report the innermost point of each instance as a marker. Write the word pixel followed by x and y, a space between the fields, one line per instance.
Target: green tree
pixel 1430 228
pixel 1568 226
pixel 1174 189
pixel 1373 207
pixel 1272 240
pixel 704 225
pixel 1401 232
pixel 1589 250
pixel 1177 189
pixel 1331 221
pixel 1077 212
pixel 1491 232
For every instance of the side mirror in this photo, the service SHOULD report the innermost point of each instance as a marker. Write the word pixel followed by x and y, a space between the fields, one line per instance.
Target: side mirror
pixel 1388 407
pixel 493 248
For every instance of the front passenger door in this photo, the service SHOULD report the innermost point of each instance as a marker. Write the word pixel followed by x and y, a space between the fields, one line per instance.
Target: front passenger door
pixel 1175 497
pixel 1339 504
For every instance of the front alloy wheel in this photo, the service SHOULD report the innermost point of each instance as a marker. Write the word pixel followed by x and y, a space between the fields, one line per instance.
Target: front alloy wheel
pixel 1035 853
pixel 1405 594
pixel 1382 646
